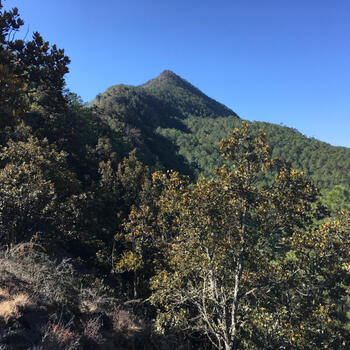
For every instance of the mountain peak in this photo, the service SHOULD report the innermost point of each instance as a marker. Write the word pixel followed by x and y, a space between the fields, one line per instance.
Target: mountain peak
pixel 192 100
pixel 173 94
pixel 168 74
pixel 168 77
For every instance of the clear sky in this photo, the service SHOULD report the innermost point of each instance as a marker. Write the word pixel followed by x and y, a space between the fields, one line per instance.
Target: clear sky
pixel 280 61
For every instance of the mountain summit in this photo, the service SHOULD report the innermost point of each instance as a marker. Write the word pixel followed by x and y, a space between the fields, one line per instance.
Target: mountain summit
pixel 168 77
pixel 178 93
pixel 168 94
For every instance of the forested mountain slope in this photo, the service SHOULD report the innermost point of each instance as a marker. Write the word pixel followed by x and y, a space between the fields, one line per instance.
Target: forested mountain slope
pixel 179 126
pixel 100 251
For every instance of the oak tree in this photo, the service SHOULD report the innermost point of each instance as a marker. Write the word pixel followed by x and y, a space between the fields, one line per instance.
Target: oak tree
pixel 231 273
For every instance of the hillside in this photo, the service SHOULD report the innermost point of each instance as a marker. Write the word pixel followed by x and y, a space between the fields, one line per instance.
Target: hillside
pixel 98 250
pixel 180 126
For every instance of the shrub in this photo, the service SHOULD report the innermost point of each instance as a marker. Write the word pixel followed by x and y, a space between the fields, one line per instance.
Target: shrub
pixel 92 330
pixel 27 268
pixel 60 336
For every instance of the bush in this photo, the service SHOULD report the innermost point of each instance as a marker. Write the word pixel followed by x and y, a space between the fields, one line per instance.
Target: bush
pixel 43 305
pixel 27 268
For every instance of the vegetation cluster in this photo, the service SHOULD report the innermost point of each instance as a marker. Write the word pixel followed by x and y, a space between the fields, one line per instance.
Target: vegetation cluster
pixel 177 117
pixel 103 247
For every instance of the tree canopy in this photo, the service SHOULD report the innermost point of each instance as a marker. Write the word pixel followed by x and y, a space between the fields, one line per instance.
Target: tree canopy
pixel 232 272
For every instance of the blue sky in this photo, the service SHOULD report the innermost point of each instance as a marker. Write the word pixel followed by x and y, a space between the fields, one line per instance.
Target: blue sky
pixel 280 61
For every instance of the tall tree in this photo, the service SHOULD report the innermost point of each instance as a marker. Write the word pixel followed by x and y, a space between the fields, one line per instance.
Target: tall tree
pixel 230 273
pixel 31 72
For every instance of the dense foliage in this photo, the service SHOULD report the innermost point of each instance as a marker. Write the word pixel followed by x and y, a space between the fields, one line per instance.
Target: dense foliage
pixel 326 165
pixel 245 256
pixel 240 268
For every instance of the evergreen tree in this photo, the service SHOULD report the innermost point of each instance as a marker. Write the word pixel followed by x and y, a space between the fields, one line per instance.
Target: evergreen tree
pixel 232 273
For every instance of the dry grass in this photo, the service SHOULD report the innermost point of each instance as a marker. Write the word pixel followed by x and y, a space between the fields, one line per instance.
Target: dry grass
pixel 12 306
pixel 88 306
pixel 4 294
pixel 92 330
pixel 63 335
pixel 29 279
pixel 123 321
pixel 95 299
pixel 60 337
pixel 27 269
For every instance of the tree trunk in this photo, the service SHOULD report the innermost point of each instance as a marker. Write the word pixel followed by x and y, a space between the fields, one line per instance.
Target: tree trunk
pixel 228 346
pixel 135 285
